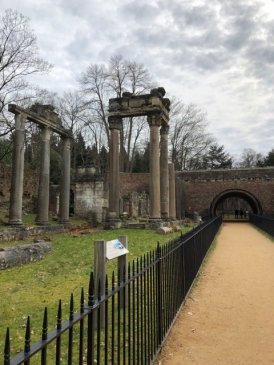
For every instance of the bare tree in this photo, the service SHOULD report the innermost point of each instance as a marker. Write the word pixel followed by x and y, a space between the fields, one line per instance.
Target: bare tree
pixel 188 136
pixel 100 83
pixel 18 60
pixel 94 83
pixel 250 158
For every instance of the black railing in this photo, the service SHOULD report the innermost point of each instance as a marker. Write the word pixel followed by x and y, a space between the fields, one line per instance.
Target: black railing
pixel 264 223
pixel 128 321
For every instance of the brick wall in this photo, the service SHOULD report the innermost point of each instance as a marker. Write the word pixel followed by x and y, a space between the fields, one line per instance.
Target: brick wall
pixel 200 188
pixel 31 179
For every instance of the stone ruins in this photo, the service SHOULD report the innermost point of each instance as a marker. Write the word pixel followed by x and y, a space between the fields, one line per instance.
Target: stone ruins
pixel 48 121
pixel 159 198
pixel 162 180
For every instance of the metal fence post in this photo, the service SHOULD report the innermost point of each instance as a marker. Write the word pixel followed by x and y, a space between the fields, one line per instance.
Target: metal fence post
pixel 100 275
pixel 123 268
pixel 159 297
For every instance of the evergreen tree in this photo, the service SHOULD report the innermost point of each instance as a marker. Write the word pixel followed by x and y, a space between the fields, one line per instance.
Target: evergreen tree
pixel 5 151
pixel 103 159
pixel 217 158
pixel 268 160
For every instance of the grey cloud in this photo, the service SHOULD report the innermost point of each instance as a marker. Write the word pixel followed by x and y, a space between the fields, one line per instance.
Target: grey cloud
pixel 198 16
pixel 232 8
pixel 211 60
pixel 141 12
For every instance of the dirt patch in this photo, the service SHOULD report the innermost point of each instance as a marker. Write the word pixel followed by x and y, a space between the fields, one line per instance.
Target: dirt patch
pixel 228 318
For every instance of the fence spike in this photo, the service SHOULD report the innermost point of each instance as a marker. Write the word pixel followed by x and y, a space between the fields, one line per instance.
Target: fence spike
pixel 91 290
pixel 124 273
pixel 133 268
pixel 106 285
pixel 128 270
pixel 7 348
pixel 45 325
pixel 59 316
pixel 27 336
pixel 113 281
pixel 119 276
pixel 158 250
pixel 82 300
pixel 71 307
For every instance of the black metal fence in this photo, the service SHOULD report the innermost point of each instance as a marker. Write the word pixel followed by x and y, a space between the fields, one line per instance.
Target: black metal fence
pixel 262 222
pixel 128 321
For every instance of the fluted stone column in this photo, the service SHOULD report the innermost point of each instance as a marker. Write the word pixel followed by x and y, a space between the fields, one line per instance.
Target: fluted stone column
pixel 172 197
pixel 17 176
pixel 164 172
pixel 154 168
pixel 115 125
pixel 43 190
pixel 65 182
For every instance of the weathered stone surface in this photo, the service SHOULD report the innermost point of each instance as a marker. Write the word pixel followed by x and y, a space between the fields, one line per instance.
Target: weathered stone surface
pixel 164 230
pixel 12 234
pixel 20 255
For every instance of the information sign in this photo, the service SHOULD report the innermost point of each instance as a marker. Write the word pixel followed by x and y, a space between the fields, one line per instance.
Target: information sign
pixel 115 249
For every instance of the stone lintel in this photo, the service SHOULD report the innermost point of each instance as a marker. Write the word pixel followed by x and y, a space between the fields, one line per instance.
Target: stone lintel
pixel 41 119
pixel 130 105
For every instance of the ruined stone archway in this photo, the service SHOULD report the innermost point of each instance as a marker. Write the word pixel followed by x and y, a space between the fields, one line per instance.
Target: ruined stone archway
pixel 243 194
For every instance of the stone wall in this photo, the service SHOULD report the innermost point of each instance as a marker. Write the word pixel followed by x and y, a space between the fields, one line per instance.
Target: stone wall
pixel 134 182
pixel 90 196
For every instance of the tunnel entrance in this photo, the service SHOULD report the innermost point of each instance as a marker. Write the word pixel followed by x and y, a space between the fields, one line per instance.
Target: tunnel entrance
pixel 235 200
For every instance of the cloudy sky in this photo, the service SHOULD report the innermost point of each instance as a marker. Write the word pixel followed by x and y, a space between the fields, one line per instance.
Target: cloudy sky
pixel 218 54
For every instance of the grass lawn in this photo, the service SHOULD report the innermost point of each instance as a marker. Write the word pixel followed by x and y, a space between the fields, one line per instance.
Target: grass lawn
pixel 27 289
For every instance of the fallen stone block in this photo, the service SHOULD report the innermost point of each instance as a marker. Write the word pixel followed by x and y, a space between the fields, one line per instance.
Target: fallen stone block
pixel 164 230
pixel 19 255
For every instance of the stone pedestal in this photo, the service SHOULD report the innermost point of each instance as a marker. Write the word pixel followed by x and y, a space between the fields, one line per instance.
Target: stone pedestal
pixel 164 172
pixel 172 197
pixel 17 176
pixel 65 182
pixel 43 191
pixel 115 125
pixel 154 168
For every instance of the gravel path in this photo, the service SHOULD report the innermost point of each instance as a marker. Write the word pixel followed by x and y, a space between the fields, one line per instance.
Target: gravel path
pixel 228 318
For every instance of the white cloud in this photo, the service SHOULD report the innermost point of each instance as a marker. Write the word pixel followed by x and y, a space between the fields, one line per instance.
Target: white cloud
pixel 218 54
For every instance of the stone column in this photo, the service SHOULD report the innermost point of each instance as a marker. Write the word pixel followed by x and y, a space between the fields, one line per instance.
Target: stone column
pixel 154 122
pixel 65 182
pixel 17 175
pixel 43 190
pixel 172 197
pixel 115 125
pixel 164 172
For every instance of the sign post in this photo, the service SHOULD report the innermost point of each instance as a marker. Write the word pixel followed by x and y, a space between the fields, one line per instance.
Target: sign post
pixel 117 248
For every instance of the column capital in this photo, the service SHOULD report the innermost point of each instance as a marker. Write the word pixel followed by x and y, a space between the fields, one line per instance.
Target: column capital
pixel 154 120
pixel 115 123
pixel 164 129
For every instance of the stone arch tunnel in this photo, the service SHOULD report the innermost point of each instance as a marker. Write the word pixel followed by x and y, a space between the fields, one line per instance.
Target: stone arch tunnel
pixel 253 203
pixel 203 191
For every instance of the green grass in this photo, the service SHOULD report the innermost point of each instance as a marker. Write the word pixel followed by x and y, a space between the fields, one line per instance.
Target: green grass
pixel 27 289
pixel 29 220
